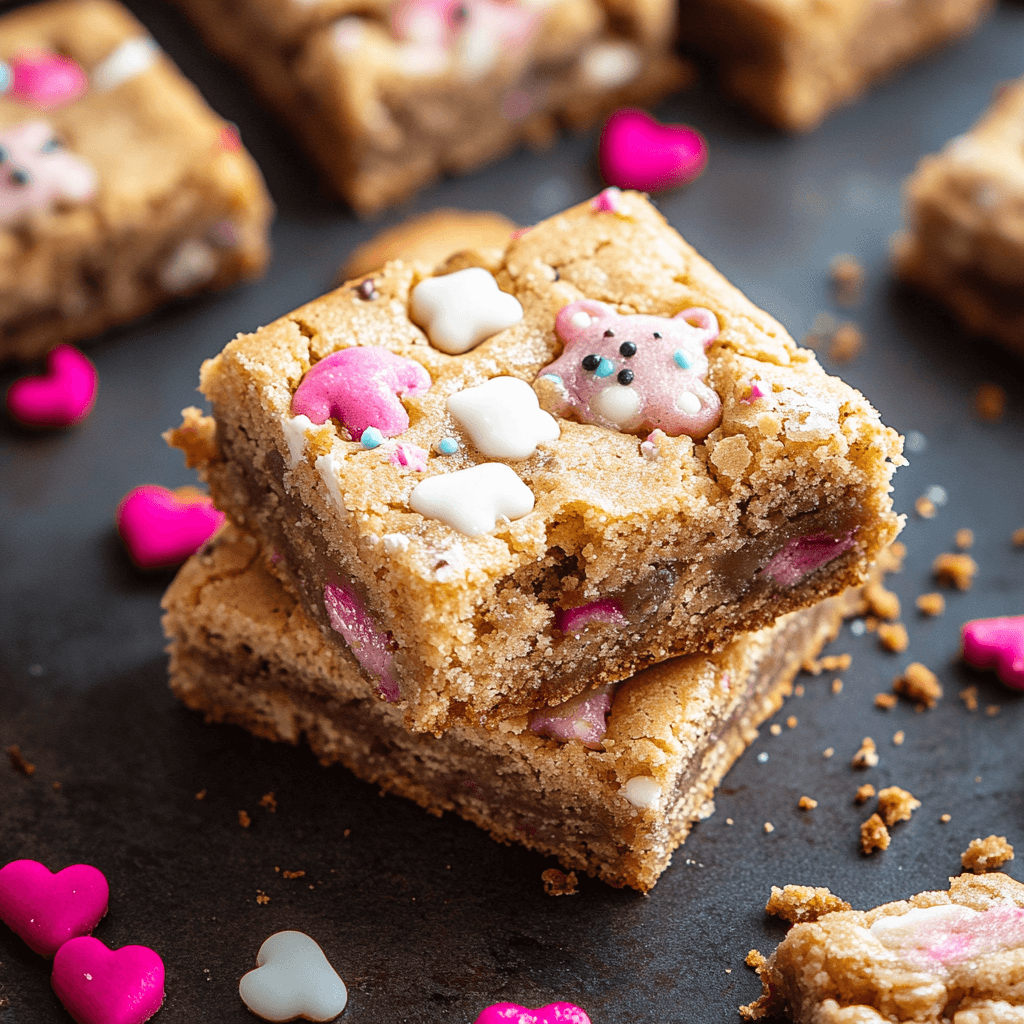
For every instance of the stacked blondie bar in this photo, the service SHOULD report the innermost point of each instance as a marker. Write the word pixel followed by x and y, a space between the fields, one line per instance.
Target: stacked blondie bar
pixel 539 535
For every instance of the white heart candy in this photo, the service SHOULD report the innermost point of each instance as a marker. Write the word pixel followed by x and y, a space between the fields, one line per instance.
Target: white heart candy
pixel 293 979
pixel 503 418
pixel 460 310
pixel 471 500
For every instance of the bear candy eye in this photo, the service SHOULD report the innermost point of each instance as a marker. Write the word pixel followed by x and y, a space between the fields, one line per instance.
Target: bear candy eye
pixel 627 349
pixel 656 334
pixel 609 333
pixel 18 177
pixel 591 362
pixel 51 145
pixel 3 155
pixel 625 377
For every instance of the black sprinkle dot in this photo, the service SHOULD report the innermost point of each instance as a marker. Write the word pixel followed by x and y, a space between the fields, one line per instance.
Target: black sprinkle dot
pixel 558 276
pixel 656 334
pixel 627 349
pixel 625 377
pixel 367 290
pixel 609 334
pixel 591 362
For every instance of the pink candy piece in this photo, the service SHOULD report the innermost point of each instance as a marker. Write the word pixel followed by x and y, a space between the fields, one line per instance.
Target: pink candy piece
pixel 98 985
pixel 638 152
pixel 439 23
pixel 568 620
pixel 998 644
pixel 553 1013
pixel 46 80
pixel 583 718
pixel 756 392
pixel 60 397
pixel 607 201
pixel 361 387
pixel 412 456
pixel 633 373
pixel 37 173
pixel 161 529
pixel 800 556
pixel 47 909
pixel 371 645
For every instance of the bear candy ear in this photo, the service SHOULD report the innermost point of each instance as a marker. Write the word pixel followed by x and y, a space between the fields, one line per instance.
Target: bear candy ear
pixel 573 320
pixel 703 321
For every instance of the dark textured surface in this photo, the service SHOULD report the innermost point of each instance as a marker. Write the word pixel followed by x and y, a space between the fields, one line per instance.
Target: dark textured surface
pixel 427 920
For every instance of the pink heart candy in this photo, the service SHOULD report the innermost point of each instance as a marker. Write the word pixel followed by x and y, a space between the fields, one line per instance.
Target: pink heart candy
pixel 46 80
pixel 47 909
pixel 98 985
pixel 638 152
pixel 60 397
pixel 160 528
pixel 553 1013
pixel 998 644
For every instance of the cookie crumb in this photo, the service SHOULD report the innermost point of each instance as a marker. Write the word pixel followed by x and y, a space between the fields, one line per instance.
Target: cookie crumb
pixel 269 801
pixel 830 663
pixel 895 804
pixel 969 695
pixel 886 701
pixel 992 710
pixel 864 793
pixel 918 683
pixel 945 818
pixel 988 854
pixel 262 898
pixel 201 795
pixel 989 402
pixel 792 722
pixel 964 539
pixel 898 737
pixel 559 883
pixel 931 604
pixel 799 903
pixel 769 827
pixel 883 603
pixel 756 959
pixel 243 819
pixel 837 686
pixel 729 821
pixel 847 278
pixel 828 752
pixel 867 756
pixel 954 570
pixel 798 690
pixel 874 835
pixel 19 762
pixel 925 507
pixel 1018 538
pixel 807 803
pixel 293 874
pixel 892 636
pixel 847 343
pixel 775 729
pixel 56 786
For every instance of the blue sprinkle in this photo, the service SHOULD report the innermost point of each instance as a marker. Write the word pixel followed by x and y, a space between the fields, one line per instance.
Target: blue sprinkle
pixel 681 359
pixel 551 376
pixel 605 368
pixel 6 77
pixel 372 438
pixel 447 446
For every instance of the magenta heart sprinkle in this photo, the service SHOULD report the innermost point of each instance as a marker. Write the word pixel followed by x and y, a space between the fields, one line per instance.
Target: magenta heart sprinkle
pixel 60 397
pixel 98 985
pixel 638 152
pixel 160 529
pixel 47 909
pixel 553 1013
pixel 998 644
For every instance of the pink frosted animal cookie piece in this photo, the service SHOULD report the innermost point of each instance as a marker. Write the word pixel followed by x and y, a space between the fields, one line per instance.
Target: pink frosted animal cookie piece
pixel 998 644
pixel 37 173
pixel 98 985
pixel 45 80
pixel 583 718
pixel 635 373
pixel 553 1013
pixel 361 387
pixel 48 908
pixel 161 528
pixel 61 397
pixel 411 456
pixel 638 152
pixel 371 646
pixel 801 556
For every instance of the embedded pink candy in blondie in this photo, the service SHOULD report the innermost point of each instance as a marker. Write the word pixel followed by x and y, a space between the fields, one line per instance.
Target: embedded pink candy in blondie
pixel 608 200
pixel 412 456
pixel 634 373
pixel 801 556
pixel 583 718
pixel 996 644
pixel 361 387
pixel 46 80
pixel 440 23
pixel 370 645
pixel 568 620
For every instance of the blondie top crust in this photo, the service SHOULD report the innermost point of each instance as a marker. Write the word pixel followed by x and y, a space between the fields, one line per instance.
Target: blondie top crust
pixel 964 213
pixel 955 956
pixel 476 586
pixel 119 187
pixel 388 95
pixel 792 61
pixel 614 794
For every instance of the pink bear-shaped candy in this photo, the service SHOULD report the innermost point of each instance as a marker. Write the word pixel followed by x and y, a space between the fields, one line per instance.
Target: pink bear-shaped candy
pixel 360 386
pixel 633 373
pixel 37 172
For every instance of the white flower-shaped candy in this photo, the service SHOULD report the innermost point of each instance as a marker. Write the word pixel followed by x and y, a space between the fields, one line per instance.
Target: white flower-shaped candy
pixel 293 979
pixel 503 418
pixel 471 500
pixel 460 310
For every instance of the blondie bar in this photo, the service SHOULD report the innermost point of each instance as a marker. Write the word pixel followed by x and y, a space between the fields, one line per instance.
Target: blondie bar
pixel 700 476
pixel 119 187
pixel 792 61
pixel 964 237
pixel 945 957
pixel 386 96
pixel 610 784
